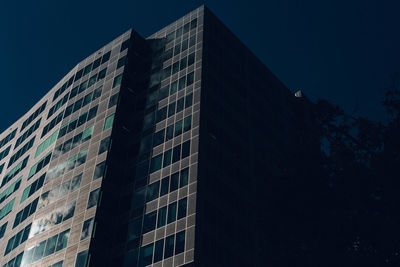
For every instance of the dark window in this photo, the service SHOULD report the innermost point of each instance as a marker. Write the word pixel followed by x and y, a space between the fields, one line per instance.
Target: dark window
pixel 124 45
pixel 99 170
pixel 178 127
pixel 166 73
pixel 83 86
pixel 92 80
pixel 171 109
pixel 186 27
pixel 184 178
pixel 180 104
pixel 121 62
pixel 152 191
pixel 185 44
pixel 188 100
pixel 193 24
pixel 182 208
pixel 186 149
pixel 97 93
pixel 170 133
pixel 192 40
pixel 77 105
pixel 50 246
pixel 102 74
pixel 81 259
pixel 164 186
pixel 158 250
pixel 177 49
pixel 104 144
pixel 171 212
pixel 87 99
pixel 92 113
pixel 169 246
pixel 190 78
pixel 161 114
pixel 135 228
pixel 158 138
pixel 167 158
pixel 146 255
pixel 183 63
pixel 182 83
pixel 162 216
pixel 175 68
pixel 93 198
pixel 74 92
pixel 113 100
pixel 176 154
pixel 191 59
pixel 174 181
pixel 174 87
pixel 106 57
pixel 180 242
pixel 78 74
pixel 187 123
pixel 96 63
pixel 88 68
pixel 163 92
pixel 179 32
pixel 149 223
pixel 155 164
pixel 62 240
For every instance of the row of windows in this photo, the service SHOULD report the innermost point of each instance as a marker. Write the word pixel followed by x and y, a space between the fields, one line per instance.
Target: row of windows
pixel 83 101
pixel 83 72
pixel 66 166
pixel 25 212
pixel 3 229
pixel 165 135
pixel 33 187
pixel 92 66
pixel 46 248
pixel 78 121
pixel 21 152
pixel 15 262
pixel 53 123
pixel 168 54
pixel 170 156
pixel 40 165
pixel 4 153
pixel 55 217
pixel 33 116
pixel 57 106
pixel 178 66
pixel 46 143
pixel 181 30
pixel 59 191
pixel 73 142
pixel 8 138
pixel 150 221
pixel 155 252
pixel 7 209
pixel 23 137
pixel 14 171
pixel 10 190
pixel 18 239
pixel 161 188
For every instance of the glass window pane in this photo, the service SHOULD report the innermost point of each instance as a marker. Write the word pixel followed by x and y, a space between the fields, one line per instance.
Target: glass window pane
pixel 87 229
pixel 184 177
pixel 178 128
pixel 172 212
pixel 109 122
pixel 180 242
pixel 146 255
pixel 50 246
pixel 174 181
pixel 135 228
pixel 158 250
pixel 162 216
pixel 182 208
pixel 156 163
pixel 152 191
pixel 62 240
pixel 81 259
pixel 164 186
pixel 169 246
pixel 167 157
pixel 39 251
pixel 93 198
pixel 149 223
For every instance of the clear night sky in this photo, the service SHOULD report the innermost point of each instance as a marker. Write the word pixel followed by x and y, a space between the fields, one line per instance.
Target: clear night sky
pixel 344 51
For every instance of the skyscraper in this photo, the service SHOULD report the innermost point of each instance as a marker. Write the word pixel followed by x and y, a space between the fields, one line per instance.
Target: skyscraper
pixel 155 150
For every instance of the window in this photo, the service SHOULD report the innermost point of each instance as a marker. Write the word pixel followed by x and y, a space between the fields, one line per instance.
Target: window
pixel 152 191
pixel 185 44
pixel 158 250
pixel 186 27
pixel 188 100
pixel 97 93
pixel 164 186
pixel 50 246
pixel 104 144
pixel 87 228
pixel 93 198
pixel 182 208
pixel 192 40
pixel 174 181
pixel 99 170
pixel 146 255
pixel 171 109
pixel 62 240
pixel 193 24
pixel 174 87
pixel 184 177
pixel 167 158
pixel 96 63
pixel 170 133
pixel 182 83
pixel 178 127
pixel 83 86
pixel 176 153
pixel 158 138
pixel 175 68
pixel 121 62
pixel 191 59
pixel 149 223
pixel 186 149
pixel 180 104
pixel 102 74
pixel 169 246
pixel 183 63
pixel 109 122
pixel 3 229
pixel 162 217
pixel 190 78
pixel 81 259
pixel 155 164
pixel 161 114
pixel 187 123
pixel 113 100
pixel 92 80
pixel 88 68
pixel 117 80
pixel 171 212
pixel 180 242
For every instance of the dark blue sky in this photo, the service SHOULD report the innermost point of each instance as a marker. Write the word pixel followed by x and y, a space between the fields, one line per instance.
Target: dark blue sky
pixel 344 51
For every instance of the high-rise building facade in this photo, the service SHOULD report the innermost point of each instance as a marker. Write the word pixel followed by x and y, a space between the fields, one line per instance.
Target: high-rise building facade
pixel 152 151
